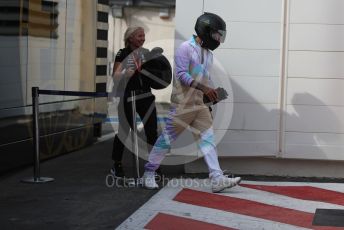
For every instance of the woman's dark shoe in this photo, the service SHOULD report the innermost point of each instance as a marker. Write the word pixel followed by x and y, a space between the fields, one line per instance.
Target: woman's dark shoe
pixel 117 170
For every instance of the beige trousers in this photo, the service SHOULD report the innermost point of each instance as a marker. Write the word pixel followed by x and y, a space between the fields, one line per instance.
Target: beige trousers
pixel 198 120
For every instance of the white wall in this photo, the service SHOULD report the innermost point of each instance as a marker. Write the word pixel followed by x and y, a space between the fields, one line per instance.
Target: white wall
pixel 315 77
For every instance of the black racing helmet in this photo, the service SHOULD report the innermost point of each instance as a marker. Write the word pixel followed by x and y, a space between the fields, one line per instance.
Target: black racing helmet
pixel 211 28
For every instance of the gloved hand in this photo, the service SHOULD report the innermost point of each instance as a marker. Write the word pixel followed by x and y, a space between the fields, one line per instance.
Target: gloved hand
pixel 155 52
pixel 221 95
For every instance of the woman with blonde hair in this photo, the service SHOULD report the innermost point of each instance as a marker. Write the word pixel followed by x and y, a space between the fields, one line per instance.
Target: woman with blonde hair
pixel 127 71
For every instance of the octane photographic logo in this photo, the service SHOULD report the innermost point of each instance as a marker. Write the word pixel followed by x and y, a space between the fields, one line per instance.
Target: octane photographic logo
pixel 184 149
pixel 184 182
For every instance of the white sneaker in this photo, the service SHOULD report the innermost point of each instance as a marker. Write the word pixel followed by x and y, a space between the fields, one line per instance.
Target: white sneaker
pixel 222 182
pixel 148 180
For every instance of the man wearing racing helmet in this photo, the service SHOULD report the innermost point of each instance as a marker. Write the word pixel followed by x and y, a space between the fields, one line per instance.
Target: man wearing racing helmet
pixel 191 83
pixel 211 29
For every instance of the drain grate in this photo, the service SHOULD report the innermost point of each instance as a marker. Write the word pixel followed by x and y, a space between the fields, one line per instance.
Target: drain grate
pixel 329 217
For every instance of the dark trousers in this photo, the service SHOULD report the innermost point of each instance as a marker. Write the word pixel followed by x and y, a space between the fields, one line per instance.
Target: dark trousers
pixel 146 109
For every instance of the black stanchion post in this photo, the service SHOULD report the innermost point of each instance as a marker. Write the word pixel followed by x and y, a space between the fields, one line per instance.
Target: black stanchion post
pixel 134 133
pixel 35 127
pixel 36 154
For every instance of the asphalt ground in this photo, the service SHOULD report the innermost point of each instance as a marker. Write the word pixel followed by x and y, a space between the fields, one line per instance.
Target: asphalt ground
pixel 79 198
pixel 84 195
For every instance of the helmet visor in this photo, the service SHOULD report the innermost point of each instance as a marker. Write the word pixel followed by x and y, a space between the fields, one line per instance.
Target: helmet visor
pixel 219 36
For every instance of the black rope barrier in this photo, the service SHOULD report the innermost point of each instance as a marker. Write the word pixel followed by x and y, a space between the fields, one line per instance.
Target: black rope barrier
pixel 73 93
